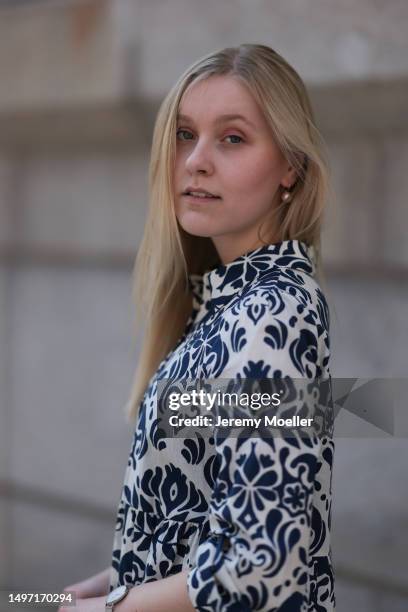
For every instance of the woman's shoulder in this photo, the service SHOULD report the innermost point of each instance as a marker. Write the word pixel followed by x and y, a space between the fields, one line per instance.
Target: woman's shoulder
pixel 289 295
pixel 279 324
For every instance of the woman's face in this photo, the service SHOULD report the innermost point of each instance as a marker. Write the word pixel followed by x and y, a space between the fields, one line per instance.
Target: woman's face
pixel 225 147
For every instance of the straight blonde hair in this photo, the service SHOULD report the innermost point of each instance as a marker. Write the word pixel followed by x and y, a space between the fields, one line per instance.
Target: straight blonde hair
pixel 167 254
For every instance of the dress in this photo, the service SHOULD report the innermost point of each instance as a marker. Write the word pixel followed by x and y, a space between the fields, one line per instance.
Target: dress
pixel 251 522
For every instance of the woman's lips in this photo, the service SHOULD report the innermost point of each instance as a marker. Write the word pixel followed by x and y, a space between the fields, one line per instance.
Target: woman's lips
pixel 201 199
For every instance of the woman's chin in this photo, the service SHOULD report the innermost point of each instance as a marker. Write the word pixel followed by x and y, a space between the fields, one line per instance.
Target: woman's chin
pixel 197 228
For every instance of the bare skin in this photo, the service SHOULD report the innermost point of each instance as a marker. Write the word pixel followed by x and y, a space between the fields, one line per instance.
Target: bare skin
pixel 95 586
pixel 166 595
pixel 236 159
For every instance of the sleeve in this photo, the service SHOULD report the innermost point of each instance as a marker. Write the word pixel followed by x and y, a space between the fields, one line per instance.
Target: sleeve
pixel 256 556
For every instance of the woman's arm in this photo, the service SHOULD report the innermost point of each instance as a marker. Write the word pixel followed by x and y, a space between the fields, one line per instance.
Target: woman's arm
pixel 166 595
pixel 95 586
pixel 261 511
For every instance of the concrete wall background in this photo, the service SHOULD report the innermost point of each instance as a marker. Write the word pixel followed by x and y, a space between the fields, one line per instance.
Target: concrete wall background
pixel 81 82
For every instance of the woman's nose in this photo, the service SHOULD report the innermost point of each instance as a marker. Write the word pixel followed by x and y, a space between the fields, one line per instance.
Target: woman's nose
pixel 200 159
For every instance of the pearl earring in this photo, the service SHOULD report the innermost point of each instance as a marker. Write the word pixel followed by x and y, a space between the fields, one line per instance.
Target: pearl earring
pixel 286 197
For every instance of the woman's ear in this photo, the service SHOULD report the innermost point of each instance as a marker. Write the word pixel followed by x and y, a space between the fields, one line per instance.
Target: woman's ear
pixel 289 178
pixel 291 175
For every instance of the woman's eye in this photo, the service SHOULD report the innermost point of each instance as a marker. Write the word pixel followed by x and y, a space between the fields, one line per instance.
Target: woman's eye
pixel 235 136
pixel 186 135
pixel 183 132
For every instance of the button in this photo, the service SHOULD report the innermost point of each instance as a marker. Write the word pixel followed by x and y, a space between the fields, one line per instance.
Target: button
pixel 226 545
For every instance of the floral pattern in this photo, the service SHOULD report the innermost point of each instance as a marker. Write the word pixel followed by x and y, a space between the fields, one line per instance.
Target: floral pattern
pixel 249 519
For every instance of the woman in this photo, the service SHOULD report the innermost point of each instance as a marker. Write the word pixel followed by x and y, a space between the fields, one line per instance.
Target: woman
pixel 225 278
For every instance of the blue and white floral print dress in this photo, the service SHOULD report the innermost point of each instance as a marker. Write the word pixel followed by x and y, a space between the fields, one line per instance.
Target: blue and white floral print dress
pixel 249 521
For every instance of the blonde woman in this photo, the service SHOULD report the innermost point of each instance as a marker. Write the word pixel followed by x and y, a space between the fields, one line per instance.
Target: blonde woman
pixel 226 279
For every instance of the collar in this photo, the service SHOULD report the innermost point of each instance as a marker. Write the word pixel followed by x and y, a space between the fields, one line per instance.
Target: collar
pixel 217 286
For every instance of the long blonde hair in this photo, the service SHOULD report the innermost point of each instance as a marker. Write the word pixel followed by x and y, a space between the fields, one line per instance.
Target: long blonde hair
pixel 167 254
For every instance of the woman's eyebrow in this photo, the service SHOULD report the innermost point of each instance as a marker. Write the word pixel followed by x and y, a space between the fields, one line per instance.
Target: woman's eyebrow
pixel 220 119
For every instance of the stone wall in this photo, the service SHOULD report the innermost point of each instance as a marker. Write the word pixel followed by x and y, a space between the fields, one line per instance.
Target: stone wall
pixel 81 83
